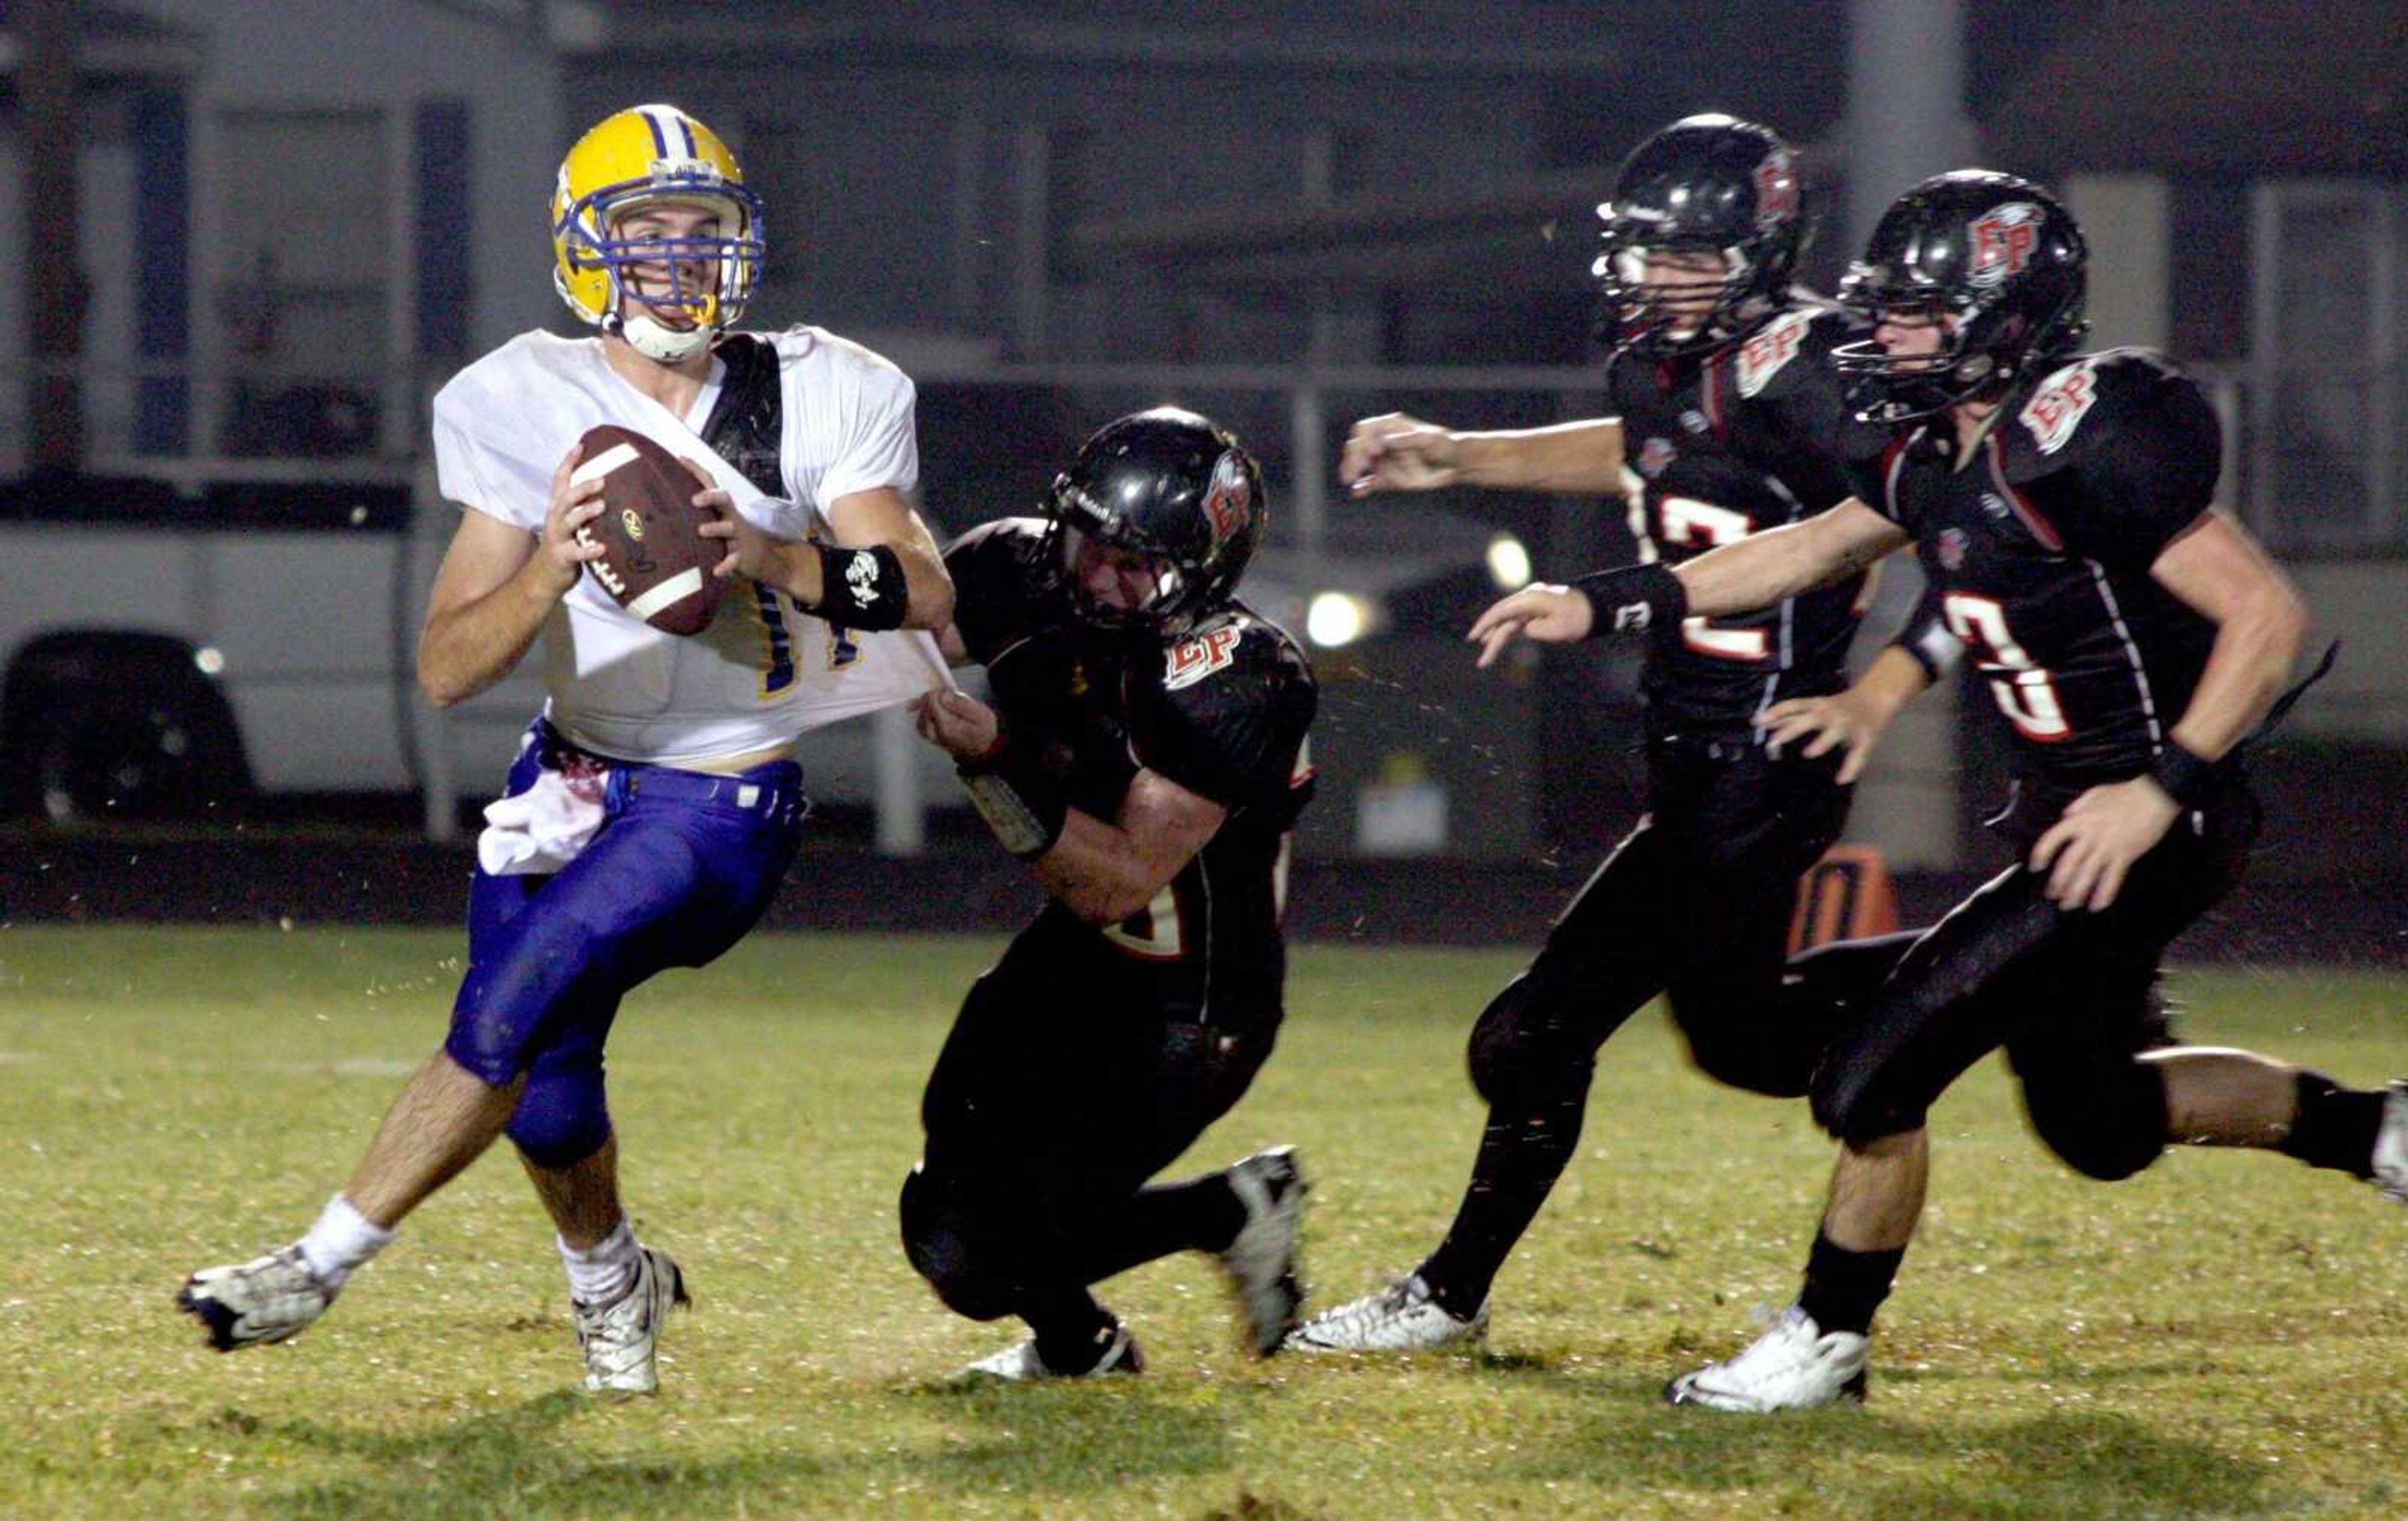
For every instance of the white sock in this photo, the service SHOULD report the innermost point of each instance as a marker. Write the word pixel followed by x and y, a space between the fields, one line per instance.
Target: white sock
pixel 603 1272
pixel 342 1239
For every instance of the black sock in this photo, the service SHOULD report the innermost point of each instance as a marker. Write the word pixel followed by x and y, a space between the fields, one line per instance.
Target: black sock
pixel 1522 1154
pixel 1843 1288
pixel 2335 1127
pixel 1201 1215
pixel 1073 1330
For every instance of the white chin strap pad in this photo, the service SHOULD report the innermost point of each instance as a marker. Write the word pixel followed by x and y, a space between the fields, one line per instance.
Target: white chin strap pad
pixel 667 344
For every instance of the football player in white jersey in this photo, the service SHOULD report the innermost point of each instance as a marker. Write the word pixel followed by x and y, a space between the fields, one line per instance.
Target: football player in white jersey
pixel 657 802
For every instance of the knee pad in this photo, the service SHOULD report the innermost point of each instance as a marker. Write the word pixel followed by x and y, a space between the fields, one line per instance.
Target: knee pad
pixel 1852 1101
pixel 2106 1124
pixel 490 1043
pixel 945 1248
pixel 564 1116
pixel 1520 1054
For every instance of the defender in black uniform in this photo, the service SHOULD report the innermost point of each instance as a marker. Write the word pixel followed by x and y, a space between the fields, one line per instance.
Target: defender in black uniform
pixel 2132 637
pixel 1146 755
pixel 1727 419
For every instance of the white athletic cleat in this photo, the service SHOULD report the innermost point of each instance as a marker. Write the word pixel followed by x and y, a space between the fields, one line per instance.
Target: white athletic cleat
pixel 1401 1317
pixel 621 1340
pixel 1262 1262
pixel 2390 1162
pixel 1793 1366
pixel 263 1300
pixel 1021 1362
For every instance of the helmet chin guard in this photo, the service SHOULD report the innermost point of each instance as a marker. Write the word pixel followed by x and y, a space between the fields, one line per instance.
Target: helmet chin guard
pixel 647 336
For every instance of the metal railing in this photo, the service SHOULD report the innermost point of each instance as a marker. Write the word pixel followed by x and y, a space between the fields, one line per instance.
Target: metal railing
pixel 2315 460
pixel 2309 481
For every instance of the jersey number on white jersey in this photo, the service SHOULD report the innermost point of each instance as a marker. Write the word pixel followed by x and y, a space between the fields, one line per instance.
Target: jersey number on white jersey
pixel 777 645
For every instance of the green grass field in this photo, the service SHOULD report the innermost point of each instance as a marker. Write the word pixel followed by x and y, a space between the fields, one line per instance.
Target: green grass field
pixel 2225 1336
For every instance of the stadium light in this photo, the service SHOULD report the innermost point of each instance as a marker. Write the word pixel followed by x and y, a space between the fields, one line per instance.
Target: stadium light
pixel 1509 562
pixel 1336 618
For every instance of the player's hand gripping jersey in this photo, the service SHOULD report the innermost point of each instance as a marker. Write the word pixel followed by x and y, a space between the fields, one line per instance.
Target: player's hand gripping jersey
pixel 1747 438
pixel 789 423
pixel 2040 549
pixel 1222 710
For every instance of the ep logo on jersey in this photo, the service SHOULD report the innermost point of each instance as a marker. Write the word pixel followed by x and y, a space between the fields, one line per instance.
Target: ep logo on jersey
pixel 1192 660
pixel 2056 409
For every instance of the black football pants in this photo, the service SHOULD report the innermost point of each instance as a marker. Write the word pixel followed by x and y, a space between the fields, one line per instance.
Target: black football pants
pixel 2068 993
pixel 1059 1093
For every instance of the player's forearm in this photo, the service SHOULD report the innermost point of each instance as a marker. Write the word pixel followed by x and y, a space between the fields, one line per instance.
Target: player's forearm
pixel 1097 871
pixel 1893 679
pixel 2251 657
pixel 1583 457
pixel 929 587
pixel 801 569
pixel 1754 572
pixel 1788 561
pixel 466 649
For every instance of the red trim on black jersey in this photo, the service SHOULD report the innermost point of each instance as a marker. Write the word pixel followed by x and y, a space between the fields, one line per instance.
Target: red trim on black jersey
pixel 2041 529
pixel 1710 375
pixel 1893 460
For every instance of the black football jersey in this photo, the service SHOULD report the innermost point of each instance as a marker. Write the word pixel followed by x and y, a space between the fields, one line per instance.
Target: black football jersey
pixel 1222 710
pixel 1752 435
pixel 2040 546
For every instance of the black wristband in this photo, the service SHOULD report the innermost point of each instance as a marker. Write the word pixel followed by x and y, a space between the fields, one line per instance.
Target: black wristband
pixel 1932 648
pixel 1019 796
pixel 2184 775
pixel 1634 600
pixel 861 587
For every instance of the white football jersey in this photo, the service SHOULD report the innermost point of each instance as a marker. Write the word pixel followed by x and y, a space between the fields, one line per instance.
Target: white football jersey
pixel 764 670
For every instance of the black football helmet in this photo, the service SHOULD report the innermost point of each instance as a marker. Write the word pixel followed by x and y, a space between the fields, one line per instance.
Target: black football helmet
pixel 1997 261
pixel 1170 485
pixel 1706 184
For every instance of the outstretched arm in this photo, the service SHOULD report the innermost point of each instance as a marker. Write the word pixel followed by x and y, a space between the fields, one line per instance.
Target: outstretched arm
pixel 1397 452
pixel 1755 572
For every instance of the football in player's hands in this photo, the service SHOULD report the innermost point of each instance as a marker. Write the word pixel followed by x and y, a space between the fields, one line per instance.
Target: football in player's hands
pixel 654 561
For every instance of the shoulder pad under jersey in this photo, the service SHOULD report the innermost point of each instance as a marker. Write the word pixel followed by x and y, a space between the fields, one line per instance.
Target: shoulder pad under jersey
pixel 1225 710
pixel 1003 589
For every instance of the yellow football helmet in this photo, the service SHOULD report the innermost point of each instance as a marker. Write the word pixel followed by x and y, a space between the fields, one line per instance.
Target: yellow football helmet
pixel 650 154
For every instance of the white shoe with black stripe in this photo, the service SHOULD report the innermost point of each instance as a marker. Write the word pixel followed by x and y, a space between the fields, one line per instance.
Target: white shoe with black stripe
pixel 1018 1363
pixel 252 1303
pixel 1795 1365
pixel 1262 1262
pixel 621 1340
pixel 2391 1161
pixel 1402 1318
